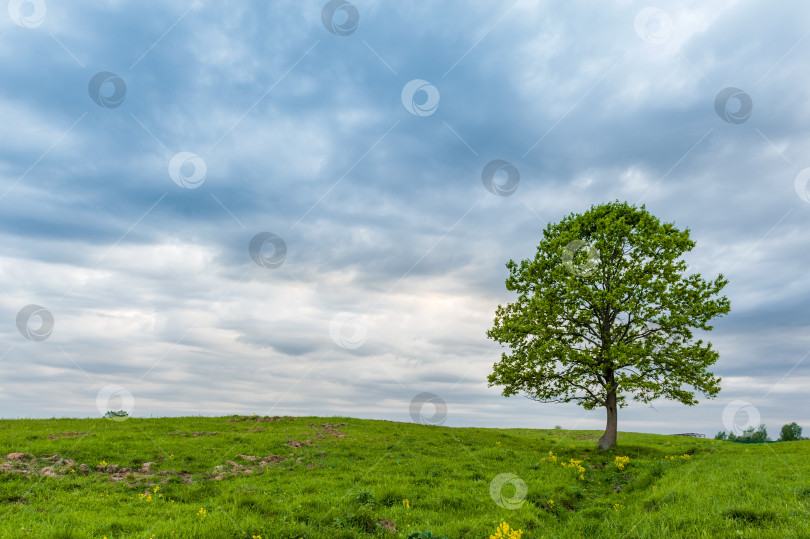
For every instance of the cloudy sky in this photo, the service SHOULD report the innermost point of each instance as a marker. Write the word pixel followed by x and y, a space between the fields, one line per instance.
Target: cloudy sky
pixel 278 207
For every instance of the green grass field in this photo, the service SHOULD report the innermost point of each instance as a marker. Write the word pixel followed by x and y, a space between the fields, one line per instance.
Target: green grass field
pixel 339 477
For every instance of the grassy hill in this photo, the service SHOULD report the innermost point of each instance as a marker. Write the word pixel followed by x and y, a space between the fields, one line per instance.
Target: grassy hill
pixel 336 477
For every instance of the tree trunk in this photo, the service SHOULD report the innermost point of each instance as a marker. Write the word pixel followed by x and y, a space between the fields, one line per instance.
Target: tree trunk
pixel 608 439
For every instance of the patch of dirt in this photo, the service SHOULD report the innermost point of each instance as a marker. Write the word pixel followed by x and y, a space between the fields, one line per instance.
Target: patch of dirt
pixel 63 435
pixel 56 460
pixel 321 432
pixel 266 419
pixel 328 429
pixel 232 469
pixel 56 466
pixel 293 443
pixel 27 464
pixel 235 469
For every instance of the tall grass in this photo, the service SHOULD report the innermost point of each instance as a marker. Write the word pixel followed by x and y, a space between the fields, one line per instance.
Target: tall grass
pixel 342 478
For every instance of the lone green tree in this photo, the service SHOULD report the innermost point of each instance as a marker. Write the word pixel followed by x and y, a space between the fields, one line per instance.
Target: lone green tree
pixel 605 312
pixel 791 432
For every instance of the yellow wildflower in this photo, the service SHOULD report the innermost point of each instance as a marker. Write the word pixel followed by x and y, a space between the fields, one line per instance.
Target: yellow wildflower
pixel 505 532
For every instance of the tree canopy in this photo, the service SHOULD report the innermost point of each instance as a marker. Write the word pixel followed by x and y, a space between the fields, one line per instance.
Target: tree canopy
pixel 791 432
pixel 751 434
pixel 605 312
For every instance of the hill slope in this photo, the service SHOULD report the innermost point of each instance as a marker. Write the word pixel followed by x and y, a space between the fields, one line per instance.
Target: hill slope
pixel 265 477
